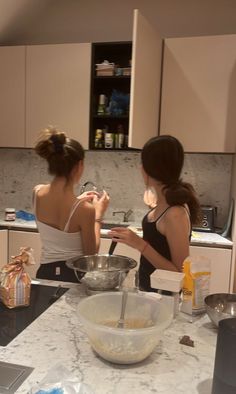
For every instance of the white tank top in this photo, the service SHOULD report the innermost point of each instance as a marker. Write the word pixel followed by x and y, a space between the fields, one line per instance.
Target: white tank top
pixel 58 245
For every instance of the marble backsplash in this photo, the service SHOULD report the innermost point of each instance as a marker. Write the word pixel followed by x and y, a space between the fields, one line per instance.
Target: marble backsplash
pixel 119 173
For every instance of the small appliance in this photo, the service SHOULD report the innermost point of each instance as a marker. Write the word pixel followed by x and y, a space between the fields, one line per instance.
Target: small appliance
pixel 208 219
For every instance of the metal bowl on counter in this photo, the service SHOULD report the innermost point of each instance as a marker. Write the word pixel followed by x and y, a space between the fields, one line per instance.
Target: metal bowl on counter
pixel 102 271
pixel 220 306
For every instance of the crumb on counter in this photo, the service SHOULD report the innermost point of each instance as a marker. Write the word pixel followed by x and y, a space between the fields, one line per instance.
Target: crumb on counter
pixel 186 340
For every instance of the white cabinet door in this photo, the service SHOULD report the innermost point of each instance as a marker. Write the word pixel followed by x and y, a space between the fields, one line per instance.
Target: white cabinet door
pixel 145 82
pixel 3 247
pixel 220 267
pixel 12 96
pixel 18 239
pixel 198 92
pixel 58 90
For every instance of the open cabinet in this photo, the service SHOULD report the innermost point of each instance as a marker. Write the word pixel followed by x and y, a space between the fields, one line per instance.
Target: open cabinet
pixel 110 92
pixel 133 77
pixel 199 91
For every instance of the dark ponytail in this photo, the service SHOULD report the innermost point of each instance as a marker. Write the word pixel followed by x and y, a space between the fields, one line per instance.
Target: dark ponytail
pixel 162 159
pixel 181 193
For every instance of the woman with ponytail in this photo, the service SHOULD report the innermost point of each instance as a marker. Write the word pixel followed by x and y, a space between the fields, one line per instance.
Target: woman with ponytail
pixel 167 226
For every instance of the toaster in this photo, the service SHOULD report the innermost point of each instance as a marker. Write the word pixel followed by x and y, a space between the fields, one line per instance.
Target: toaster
pixel 208 219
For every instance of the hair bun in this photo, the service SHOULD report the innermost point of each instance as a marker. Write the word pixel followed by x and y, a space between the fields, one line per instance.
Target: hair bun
pixel 58 140
pixel 51 142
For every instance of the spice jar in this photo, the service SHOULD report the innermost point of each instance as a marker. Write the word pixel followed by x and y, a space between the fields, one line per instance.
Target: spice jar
pixel 10 214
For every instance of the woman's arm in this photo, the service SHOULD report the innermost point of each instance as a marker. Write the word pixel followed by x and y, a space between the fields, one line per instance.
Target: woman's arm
pixel 90 222
pixel 177 230
pixel 86 222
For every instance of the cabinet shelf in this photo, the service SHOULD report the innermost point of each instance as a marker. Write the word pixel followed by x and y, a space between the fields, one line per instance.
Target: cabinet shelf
pixel 112 77
pixel 111 116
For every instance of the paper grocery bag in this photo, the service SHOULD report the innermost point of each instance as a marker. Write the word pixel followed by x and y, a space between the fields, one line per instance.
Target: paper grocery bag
pixel 15 283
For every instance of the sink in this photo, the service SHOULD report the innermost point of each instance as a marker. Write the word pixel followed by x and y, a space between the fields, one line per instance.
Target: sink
pixel 12 376
pixel 108 226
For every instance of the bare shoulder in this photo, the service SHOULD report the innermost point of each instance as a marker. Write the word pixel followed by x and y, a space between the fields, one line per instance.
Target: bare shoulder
pixel 40 189
pixel 177 213
pixel 86 209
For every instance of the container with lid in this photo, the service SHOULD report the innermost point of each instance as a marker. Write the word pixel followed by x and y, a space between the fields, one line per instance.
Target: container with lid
pixel 10 214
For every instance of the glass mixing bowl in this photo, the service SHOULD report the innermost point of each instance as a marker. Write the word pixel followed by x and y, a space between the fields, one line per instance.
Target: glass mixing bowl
pixel 146 318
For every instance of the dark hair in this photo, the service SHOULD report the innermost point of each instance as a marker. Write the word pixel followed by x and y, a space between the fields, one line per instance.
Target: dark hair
pixel 163 159
pixel 62 153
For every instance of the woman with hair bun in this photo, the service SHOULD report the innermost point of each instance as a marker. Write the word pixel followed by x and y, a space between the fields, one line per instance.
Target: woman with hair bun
pixel 69 226
pixel 167 226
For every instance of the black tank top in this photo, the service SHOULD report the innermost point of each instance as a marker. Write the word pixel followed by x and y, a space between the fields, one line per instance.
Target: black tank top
pixel 159 242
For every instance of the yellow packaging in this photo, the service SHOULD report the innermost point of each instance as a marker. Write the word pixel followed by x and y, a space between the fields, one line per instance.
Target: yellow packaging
pixel 196 284
pixel 15 283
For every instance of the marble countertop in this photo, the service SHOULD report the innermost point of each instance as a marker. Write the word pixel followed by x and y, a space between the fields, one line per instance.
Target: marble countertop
pixel 55 337
pixel 198 238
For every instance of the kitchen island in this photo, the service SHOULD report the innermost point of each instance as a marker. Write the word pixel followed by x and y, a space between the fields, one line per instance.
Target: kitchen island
pixel 56 337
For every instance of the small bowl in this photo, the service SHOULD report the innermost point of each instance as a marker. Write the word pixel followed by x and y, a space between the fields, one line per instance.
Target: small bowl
pixel 102 270
pixel 220 306
pixel 146 318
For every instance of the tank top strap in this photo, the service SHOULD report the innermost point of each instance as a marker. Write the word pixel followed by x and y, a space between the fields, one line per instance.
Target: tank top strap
pixel 35 192
pixel 73 209
pixel 162 214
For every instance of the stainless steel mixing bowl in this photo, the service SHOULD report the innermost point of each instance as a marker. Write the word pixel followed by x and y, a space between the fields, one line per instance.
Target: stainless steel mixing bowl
pixel 103 271
pixel 220 306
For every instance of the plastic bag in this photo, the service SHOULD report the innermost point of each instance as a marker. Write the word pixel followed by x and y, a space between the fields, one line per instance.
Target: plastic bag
pixel 15 282
pixel 25 215
pixel 119 103
pixel 59 380
pixel 197 270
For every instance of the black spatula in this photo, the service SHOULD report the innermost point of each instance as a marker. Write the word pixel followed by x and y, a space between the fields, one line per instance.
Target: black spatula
pixel 112 247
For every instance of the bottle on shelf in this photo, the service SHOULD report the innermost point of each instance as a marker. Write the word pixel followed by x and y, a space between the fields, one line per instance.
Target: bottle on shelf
pixel 108 138
pixel 120 137
pixel 102 104
pixel 98 142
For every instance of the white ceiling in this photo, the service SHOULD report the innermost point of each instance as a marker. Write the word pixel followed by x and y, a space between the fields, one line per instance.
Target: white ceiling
pixel 51 21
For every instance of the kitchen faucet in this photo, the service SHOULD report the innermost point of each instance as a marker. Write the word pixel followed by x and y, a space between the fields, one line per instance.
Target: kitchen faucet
pixel 94 187
pixel 126 214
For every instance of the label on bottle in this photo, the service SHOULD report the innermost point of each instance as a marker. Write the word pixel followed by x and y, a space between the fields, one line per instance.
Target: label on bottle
pixel 109 140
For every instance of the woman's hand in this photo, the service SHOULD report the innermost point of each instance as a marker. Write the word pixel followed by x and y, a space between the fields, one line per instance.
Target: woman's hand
pixel 126 236
pixel 100 203
pixel 88 196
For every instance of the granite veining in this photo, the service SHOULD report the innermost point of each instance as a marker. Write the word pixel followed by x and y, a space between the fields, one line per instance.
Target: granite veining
pixel 119 173
pixel 56 337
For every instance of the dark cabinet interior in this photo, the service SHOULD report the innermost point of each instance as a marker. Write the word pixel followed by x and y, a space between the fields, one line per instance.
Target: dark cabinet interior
pixel 110 95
